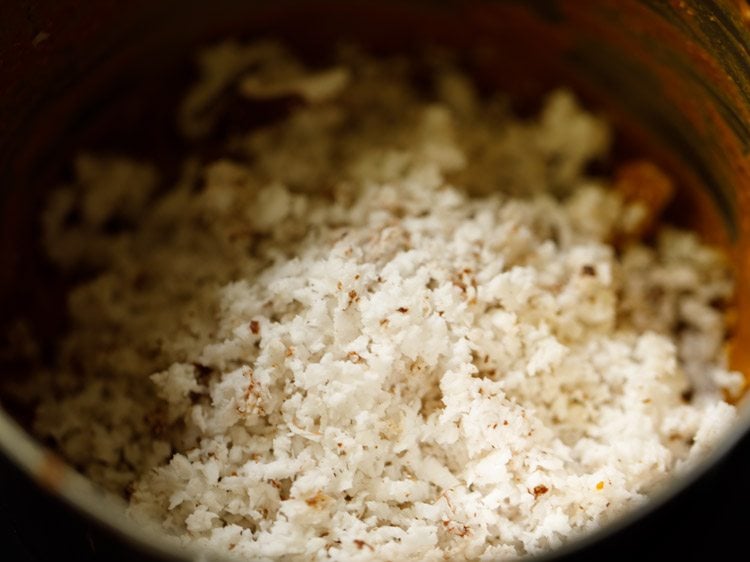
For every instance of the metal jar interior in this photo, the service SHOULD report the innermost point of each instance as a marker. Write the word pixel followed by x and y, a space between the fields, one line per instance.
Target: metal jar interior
pixel 672 77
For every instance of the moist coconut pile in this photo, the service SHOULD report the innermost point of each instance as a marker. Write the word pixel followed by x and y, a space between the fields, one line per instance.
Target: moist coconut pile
pixel 394 323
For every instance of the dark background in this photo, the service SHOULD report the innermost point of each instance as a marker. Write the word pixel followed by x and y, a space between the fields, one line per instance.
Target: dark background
pixel 709 521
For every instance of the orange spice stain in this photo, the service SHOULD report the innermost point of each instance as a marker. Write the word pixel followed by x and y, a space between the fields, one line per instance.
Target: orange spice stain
pixel 51 472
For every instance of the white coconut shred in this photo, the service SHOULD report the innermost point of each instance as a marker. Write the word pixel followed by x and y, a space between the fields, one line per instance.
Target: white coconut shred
pixel 393 325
